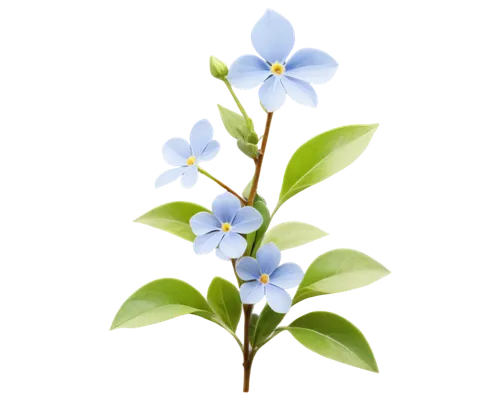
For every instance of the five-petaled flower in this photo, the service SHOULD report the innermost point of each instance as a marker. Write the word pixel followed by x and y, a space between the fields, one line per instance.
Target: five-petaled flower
pixel 273 38
pixel 178 152
pixel 265 277
pixel 223 228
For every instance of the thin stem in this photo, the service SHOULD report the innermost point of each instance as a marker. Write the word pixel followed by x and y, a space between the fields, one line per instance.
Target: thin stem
pixel 242 110
pixel 247 354
pixel 233 262
pixel 222 184
pixel 259 160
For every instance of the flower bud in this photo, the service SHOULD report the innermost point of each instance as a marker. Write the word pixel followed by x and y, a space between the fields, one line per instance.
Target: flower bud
pixel 217 68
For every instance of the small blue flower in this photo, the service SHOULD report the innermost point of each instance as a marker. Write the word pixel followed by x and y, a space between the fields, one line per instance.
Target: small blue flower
pixel 266 278
pixel 222 229
pixel 179 153
pixel 273 38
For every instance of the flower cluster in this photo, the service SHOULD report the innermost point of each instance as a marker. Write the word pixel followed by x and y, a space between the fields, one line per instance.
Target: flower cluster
pixel 224 229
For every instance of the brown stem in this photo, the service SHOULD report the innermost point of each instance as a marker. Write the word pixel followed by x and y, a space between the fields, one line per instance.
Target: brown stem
pixel 247 352
pixel 259 160
pixel 244 202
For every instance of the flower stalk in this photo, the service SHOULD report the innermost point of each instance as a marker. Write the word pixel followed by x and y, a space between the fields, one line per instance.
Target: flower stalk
pixel 238 103
pixel 202 171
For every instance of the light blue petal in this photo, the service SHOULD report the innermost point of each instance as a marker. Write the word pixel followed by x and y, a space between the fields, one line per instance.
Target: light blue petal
pixel 273 37
pixel 233 245
pixel 311 65
pixel 204 244
pixel 201 135
pixel 279 300
pixel 269 258
pixel 210 151
pixel 247 72
pixel 300 91
pixel 248 269
pixel 169 176
pixel 247 220
pixel 176 151
pixel 190 177
pixel 287 276
pixel 221 255
pixel 225 206
pixel 272 94
pixel 203 223
pixel 251 292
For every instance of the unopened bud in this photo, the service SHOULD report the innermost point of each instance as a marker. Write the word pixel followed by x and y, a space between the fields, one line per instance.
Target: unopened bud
pixel 217 67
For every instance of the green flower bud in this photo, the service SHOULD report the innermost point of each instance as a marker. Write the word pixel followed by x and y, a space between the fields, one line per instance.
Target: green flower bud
pixel 218 69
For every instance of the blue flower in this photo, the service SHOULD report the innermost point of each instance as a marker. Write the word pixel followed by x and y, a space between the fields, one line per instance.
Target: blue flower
pixel 222 229
pixel 266 278
pixel 179 153
pixel 273 38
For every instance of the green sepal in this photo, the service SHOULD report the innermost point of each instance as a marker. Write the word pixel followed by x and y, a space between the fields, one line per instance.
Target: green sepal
pixel 218 69
pixel 249 149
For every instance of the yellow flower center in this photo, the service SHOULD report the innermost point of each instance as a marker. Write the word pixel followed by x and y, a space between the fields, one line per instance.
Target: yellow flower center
pixel 226 227
pixel 191 160
pixel 264 279
pixel 277 68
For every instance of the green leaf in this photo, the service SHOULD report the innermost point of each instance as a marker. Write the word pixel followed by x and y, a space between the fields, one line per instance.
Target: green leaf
pixel 323 156
pixel 253 325
pixel 237 127
pixel 333 337
pixel 266 324
pixel 173 217
pixel 260 203
pixel 160 301
pixel 232 122
pixel 337 271
pixel 224 299
pixel 292 234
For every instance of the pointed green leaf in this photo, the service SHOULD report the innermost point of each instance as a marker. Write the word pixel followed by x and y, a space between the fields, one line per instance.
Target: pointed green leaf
pixel 236 126
pixel 333 337
pixel 253 325
pixel 338 271
pixel 292 234
pixel 224 299
pixel 160 301
pixel 234 123
pixel 173 217
pixel 260 203
pixel 323 156
pixel 266 324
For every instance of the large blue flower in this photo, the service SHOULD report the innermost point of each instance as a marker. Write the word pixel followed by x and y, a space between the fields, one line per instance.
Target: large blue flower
pixel 222 229
pixel 273 38
pixel 178 152
pixel 265 277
